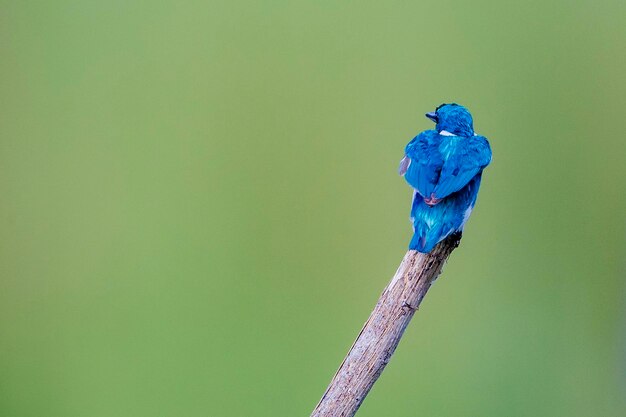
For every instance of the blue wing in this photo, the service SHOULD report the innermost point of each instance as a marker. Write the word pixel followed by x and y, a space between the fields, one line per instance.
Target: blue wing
pixel 422 162
pixel 463 158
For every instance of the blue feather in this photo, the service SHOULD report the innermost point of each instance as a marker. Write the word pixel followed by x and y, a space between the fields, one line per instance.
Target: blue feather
pixel 444 166
pixel 432 224
pixel 426 162
pixel 463 159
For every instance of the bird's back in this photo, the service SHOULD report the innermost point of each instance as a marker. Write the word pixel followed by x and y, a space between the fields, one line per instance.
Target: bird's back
pixel 446 172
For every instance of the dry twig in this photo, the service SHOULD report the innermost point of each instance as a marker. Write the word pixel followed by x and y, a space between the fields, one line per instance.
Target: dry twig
pixel 381 333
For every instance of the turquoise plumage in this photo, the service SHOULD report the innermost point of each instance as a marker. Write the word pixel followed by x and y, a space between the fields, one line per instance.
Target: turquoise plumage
pixel 444 166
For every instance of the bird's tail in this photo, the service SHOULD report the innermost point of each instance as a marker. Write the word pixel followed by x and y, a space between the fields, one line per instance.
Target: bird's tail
pixel 423 216
pixel 424 240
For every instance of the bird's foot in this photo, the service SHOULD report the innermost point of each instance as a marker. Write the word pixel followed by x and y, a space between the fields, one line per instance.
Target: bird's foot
pixel 432 200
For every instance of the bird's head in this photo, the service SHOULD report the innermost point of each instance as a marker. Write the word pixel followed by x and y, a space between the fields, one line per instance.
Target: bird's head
pixel 453 118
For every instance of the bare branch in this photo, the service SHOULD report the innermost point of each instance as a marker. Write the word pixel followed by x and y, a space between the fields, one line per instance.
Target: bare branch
pixel 381 333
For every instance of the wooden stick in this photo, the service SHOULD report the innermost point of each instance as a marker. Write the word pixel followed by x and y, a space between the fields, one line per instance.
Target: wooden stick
pixel 381 333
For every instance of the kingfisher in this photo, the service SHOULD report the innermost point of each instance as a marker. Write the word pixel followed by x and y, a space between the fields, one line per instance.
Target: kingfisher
pixel 444 166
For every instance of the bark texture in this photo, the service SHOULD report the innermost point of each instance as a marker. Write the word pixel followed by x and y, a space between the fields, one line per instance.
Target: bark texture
pixel 381 333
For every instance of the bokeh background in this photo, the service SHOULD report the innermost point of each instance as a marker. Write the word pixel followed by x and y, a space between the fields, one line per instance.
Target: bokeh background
pixel 200 205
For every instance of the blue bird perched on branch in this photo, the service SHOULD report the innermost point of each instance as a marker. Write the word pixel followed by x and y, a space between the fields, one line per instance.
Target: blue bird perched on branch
pixel 444 167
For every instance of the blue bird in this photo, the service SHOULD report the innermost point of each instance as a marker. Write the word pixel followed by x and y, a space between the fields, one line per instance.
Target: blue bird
pixel 444 167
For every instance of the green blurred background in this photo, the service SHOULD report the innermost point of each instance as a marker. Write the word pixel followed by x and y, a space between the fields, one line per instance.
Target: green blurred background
pixel 200 205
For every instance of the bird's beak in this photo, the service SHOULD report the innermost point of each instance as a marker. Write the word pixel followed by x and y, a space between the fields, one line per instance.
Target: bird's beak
pixel 432 116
